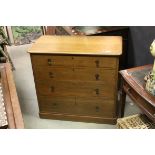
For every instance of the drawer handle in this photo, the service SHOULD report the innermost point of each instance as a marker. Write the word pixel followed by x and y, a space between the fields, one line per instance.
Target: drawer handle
pixel 97 91
pixel 51 75
pixel 97 76
pixel 97 108
pixel 49 62
pixel 52 89
pixel 97 63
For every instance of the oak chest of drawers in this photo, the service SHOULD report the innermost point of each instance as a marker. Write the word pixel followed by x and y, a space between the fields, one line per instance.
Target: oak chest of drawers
pixel 76 77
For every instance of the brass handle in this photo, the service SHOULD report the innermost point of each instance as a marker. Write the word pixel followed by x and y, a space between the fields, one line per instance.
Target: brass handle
pixel 97 91
pixel 51 75
pixel 97 108
pixel 97 63
pixel 97 76
pixel 52 89
pixel 49 62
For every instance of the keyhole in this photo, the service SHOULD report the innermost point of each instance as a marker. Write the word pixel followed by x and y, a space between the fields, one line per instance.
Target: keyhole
pixel 52 89
pixel 97 109
pixel 51 75
pixel 54 104
pixel 97 76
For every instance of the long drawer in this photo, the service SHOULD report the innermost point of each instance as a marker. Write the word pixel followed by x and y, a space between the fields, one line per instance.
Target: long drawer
pixel 82 74
pixel 61 88
pixel 77 106
pixel 74 61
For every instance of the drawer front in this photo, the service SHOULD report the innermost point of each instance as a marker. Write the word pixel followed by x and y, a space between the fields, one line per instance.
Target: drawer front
pixel 50 60
pixel 95 107
pixel 78 74
pixel 74 61
pixel 56 104
pixel 77 106
pixel 56 88
pixel 97 62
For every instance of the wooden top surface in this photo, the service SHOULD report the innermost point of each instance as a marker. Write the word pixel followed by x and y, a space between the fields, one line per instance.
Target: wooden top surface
pixel 135 78
pixel 91 45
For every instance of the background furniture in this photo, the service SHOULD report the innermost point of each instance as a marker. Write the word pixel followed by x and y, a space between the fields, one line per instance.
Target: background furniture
pixel 133 85
pixel 138 40
pixel 12 107
pixel 76 77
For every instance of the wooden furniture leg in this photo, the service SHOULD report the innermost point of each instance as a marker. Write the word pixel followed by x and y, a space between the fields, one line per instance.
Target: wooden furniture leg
pixel 122 100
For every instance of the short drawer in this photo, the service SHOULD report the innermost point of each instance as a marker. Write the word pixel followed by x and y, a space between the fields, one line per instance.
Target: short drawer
pixel 74 61
pixel 77 106
pixel 56 88
pixel 56 104
pixel 95 106
pixel 76 74
pixel 50 60
pixel 96 61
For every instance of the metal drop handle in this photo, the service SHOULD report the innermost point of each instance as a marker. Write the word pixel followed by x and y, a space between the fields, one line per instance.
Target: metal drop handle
pixel 49 62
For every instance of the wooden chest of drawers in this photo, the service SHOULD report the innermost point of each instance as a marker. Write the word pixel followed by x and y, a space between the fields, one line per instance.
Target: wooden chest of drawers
pixel 76 77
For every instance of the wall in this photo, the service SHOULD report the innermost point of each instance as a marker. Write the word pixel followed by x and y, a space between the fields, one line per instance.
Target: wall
pixel 140 38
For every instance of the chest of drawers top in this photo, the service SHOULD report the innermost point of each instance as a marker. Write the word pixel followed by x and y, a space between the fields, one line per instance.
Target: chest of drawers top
pixel 78 45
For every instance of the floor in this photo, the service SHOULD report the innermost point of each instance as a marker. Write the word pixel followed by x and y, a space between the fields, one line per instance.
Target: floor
pixel 24 81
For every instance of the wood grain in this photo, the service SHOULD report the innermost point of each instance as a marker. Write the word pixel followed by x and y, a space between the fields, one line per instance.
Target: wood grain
pixel 72 88
pixel 75 78
pixel 48 60
pixel 14 99
pixel 79 118
pixel 92 45
pixel 75 105
pixel 106 76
